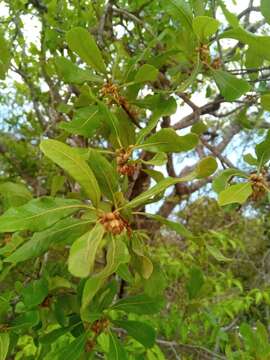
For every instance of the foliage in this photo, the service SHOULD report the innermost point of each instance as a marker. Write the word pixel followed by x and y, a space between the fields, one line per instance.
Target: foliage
pixel 104 252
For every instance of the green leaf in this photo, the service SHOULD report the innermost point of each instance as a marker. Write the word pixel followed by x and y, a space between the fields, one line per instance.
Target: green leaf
pixel 175 226
pixel 181 10
pixel 105 174
pixel 221 181
pixel 112 121
pixel 116 350
pixel 139 304
pixel 53 335
pixel 72 351
pixel 26 320
pixel 195 282
pixel 204 27
pixel 117 254
pixel 13 194
pixel 72 74
pixel 15 241
pixel 146 264
pixel 86 121
pixel 154 174
pixel 57 184
pixel 83 252
pixel 161 107
pixel 237 193
pixel 155 190
pixel 35 292
pixel 262 150
pixel 156 284
pixel 230 17
pixel 67 158
pixel 250 159
pixel 166 140
pixel 199 128
pixel 38 214
pixel 158 160
pixel 82 42
pixel 265 100
pixel 4 57
pixel 216 253
pixel 63 232
pixel 140 331
pixel 206 167
pixel 230 87
pixel 146 73
pixel 265 10
pixel 4 345
pixel 257 44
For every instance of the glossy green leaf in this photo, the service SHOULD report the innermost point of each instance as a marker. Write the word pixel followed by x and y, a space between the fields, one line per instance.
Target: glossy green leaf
pixel 83 252
pixel 14 194
pixel 238 193
pixel 257 43
pixel 140 331
pixel 155 190
pixel 195 282
pixel 105 174
pixel 63 232
pixel 156 284
pixel 217 254
pixel 82 42
pixel 179 228
pixel 158 159
pixel 222 179
pixel 72 351
pixel 167 140
pixel 199 128
pixel 181 11
pixel 67 158
pixel 265 10
pixel 117 254
pixel 250 159
pixel 35 292
pixel 116 349
pixel 4 345
pixel 146 267
pixel 72 74
pixel 146 73
pixel 26 320
pixel 230 87
pixel 230 17
pixel 112 121
pixel 262 150
pixel 37 214
pixel 204 27
pixel 161 106
pixel 139 304
pixel 53 335
pixel 206 167
pixel 15 241
pixel 4 57
pixel 86 121
pixel 57 184
pixel 265 100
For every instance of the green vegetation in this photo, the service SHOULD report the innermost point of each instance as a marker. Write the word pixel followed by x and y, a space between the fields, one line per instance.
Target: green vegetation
pixel 134 220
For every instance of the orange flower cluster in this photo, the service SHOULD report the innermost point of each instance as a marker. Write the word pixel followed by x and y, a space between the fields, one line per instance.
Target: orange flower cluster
pixel 100 325
pixel 259 186
pixel 113 222
pixel 122 157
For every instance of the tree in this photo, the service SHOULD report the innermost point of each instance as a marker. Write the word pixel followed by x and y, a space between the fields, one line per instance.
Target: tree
pixel 90 102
